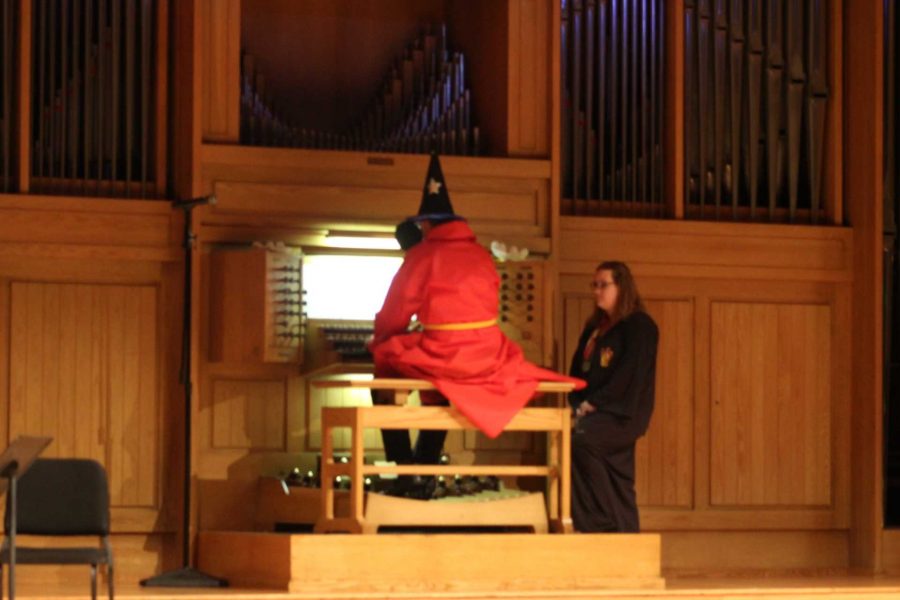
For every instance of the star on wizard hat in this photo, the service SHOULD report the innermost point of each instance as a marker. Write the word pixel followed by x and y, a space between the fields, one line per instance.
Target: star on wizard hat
pixel 435 204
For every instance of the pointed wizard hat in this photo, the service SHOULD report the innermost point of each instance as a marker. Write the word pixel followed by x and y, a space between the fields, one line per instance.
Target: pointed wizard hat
pixel 435 204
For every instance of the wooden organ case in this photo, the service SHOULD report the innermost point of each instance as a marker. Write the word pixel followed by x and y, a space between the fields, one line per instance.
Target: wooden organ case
pixel 257 311
pixel 256 306
pixel 269 188
pixel 521 312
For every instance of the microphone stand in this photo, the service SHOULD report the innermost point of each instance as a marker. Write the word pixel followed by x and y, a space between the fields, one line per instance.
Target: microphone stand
pixel 187 576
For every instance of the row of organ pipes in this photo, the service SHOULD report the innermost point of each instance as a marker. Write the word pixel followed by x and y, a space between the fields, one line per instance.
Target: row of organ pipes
pixel 756 97
pixel 612 106
pixel 422 105
pixel 755 80
pixel 93 100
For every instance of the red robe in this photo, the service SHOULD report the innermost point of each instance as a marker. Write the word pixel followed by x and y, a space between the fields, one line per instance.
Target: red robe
pixel 450 278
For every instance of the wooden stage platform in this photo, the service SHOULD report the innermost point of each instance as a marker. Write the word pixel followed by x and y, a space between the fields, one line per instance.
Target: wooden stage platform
pixel 764 588
pixel 427 563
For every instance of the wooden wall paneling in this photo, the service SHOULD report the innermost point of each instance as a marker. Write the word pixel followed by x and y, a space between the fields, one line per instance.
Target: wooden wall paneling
pixel 248 414
pixel 22 128
pixel 721 251
pixel 72 228
pixel 529 78
pixel 84 371
pixel 664 458
pixel 294 165
pixel 202 418
pixel 295 415
pixel 239 427
pixel 221 49
pixel 863 177
pixel 91 386
pixel 843 407
pixel 551 315
pixel 237 294
pixel 315 400
pixel 134 430
pixel 771 407
pixel 505 199
pixel 712 553
pixel 30 268
pixel 227 482
pixel 702 402
pixel 148 390
pixel 35 372
pixel 673 151
pixel 61 262
pixel 523 203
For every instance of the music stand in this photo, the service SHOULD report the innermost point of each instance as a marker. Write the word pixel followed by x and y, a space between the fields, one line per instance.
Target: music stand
pixel 14 461
pixel 186 576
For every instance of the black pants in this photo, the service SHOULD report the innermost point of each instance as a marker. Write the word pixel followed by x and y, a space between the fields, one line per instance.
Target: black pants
pixel 397 444
pixel 603 496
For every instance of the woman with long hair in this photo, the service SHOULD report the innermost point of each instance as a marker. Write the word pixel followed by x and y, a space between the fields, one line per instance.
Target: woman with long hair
pixel 616 355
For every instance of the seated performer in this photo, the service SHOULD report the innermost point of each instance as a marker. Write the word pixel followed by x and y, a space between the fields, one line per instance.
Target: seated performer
pixel 449 282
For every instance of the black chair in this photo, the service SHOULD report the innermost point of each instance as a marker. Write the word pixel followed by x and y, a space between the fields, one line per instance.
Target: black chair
pixel 63 497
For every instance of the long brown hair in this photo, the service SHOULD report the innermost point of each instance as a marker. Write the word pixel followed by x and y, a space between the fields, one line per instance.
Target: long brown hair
pixel 628 301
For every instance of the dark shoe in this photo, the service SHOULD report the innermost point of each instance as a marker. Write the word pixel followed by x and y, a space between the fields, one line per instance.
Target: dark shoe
pixel 492 483
pixel 396 487
pixel 470 486
pixel 440 489
pixel 421 488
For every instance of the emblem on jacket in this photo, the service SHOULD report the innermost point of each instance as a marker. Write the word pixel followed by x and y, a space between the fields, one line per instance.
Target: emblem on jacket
pixel 606 355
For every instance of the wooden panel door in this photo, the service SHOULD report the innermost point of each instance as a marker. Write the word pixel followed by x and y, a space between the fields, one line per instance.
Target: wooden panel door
pixel 664 458
pixel 770 384
pixel 84 369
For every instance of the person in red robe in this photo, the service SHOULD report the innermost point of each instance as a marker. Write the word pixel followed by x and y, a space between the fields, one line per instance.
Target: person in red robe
pixel 448 282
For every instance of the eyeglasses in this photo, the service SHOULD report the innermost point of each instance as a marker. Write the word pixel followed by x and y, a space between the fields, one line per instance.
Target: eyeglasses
pixel 601 285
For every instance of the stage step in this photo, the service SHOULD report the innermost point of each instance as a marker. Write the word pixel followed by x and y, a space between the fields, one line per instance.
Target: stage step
pixel 416 563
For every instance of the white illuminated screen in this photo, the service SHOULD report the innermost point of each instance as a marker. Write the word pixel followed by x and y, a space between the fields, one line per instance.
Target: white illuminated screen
pixel 347 287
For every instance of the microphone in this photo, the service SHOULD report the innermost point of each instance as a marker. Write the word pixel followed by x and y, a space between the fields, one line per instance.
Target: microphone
pixel 192 202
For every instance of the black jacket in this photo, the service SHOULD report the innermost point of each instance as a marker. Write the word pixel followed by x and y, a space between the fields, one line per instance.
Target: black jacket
pixel 620 371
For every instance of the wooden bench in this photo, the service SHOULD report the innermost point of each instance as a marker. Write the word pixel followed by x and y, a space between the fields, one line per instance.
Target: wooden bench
pixel 554 421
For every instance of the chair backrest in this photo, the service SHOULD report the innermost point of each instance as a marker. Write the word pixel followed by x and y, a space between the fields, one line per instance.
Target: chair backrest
pixel 62 496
